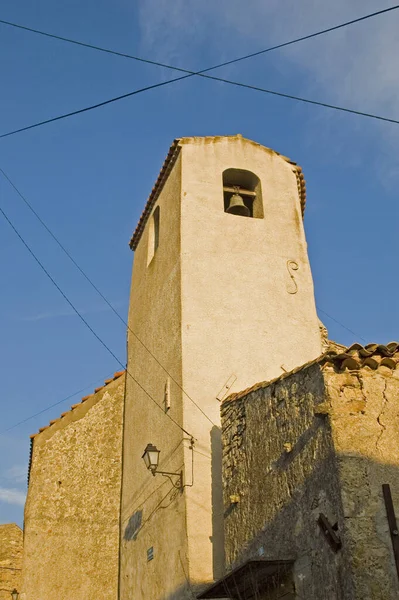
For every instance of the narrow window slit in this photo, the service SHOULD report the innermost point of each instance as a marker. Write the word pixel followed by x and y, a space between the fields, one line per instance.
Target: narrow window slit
pixel 153 234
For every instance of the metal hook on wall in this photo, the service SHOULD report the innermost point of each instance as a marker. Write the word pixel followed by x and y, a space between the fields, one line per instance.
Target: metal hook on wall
pixel 292 265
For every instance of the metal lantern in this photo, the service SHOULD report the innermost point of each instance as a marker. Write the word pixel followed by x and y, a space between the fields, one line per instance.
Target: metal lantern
pixel 151 458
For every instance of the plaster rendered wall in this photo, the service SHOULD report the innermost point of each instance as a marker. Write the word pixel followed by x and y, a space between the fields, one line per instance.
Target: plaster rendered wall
pixel 342 431
pixel 245 313
pixel 216 300
pixel 73 504
pixel 283 489
pixel 11 549
pixel 153 512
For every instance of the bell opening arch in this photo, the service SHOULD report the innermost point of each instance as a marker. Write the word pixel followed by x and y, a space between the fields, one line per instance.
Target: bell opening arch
pixel 242 193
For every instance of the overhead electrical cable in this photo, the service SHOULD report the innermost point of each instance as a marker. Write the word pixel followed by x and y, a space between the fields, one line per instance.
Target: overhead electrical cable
pixel 229 81
pixel 202 73
pixel 224 64
pixel 339 323
pixel 40 412
pixel 93 285
pixel 92 107
pixel 189 74
pixel 85 322
pixel 112 308
pixel 62 247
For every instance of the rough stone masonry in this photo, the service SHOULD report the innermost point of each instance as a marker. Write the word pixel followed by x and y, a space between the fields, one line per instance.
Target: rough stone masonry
pixel 11 548
pixel 320 440
pixel 72 509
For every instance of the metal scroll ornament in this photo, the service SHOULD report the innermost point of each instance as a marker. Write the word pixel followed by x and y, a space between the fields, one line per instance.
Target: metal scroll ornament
pixel 292 266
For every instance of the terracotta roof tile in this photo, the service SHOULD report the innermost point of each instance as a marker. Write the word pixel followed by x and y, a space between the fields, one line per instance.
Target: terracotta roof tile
pixel 30 455
pixel 116 375
pixel 107 382
pixel 32 437
pixel 170 160
pixel 353 358
pixel 167 166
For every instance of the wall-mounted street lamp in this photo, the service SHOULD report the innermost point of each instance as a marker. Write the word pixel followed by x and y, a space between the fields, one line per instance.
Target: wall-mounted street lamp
pixel 14 594
pixel 151 460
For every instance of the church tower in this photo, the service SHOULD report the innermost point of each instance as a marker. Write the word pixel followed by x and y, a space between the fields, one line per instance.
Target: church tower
pixel 221 299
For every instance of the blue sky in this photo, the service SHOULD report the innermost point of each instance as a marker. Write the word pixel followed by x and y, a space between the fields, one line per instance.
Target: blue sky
pixel 89 176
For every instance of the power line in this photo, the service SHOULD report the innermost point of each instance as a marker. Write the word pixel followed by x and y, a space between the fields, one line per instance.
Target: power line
pixel 339 323
pixel 224 64
pixel 228 81
pixel 202 454
pixel 130 511
pixel 304 100
pixel 81 317
pixel 127 508
pixel 191 73
pixel 158 506
pixel 104 298
pixel 50 406
pixel 93 285
pixel 114 311
pixel 93 106
pixel 202 73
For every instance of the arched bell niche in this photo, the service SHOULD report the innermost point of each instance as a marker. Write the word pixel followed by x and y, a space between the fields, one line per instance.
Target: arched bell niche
pixel 242 193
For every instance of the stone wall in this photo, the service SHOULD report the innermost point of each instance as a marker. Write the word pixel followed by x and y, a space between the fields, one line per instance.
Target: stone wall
pixel 279 460
pixel 11 547
pixel 316 441
pixel 363 410
pixel 72 511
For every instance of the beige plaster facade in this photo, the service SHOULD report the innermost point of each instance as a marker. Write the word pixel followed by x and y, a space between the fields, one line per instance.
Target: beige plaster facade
pixel 73 503
pixel 11 548
pixel 321 440
pixel 221 301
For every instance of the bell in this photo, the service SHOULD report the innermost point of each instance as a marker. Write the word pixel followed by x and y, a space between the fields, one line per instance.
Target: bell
pixel 237 206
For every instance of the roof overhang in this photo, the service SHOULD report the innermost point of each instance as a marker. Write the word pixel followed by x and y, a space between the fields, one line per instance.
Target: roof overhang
pixel 249 580
pixel 168 164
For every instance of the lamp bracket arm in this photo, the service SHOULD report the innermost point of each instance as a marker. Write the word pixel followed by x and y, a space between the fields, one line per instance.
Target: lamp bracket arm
pixel 178 484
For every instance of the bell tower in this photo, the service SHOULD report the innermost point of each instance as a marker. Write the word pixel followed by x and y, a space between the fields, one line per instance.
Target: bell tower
pixel 221 299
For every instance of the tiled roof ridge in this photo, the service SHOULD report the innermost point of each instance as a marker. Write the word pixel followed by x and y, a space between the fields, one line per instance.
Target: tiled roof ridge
pixel 170 160
pixel 333 345
pixel 353 358
pixel 98 389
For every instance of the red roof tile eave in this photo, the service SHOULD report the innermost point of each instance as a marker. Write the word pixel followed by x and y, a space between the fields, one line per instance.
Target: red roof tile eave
pixel 167 166
pixel 74 406
pixel 353 358
pixel 169 161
